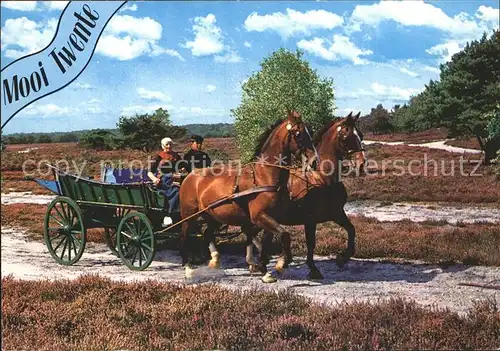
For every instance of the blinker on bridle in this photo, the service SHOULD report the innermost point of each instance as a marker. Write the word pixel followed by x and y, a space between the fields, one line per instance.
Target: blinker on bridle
pixel 343 137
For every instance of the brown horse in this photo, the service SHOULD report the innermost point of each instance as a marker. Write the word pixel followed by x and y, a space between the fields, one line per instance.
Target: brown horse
pixel 203 187
pixel 322 198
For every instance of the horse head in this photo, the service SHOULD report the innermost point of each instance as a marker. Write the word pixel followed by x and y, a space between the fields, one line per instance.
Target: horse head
pixel 349 140
pixel 300 140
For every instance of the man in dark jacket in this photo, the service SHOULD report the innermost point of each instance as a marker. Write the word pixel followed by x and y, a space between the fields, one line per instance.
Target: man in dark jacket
pixel 195 158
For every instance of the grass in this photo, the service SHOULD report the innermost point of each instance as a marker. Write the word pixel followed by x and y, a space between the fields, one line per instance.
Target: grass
pixel 431 241
pixel 92 313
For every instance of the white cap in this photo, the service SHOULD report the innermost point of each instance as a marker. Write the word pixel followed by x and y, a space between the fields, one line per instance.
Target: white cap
pixel 166 141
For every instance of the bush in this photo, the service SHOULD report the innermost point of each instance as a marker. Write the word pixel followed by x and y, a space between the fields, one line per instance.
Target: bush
pixel 144 132
pixel 99 139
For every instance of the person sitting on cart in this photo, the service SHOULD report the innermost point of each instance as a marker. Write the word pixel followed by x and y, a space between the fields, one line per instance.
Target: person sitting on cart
pixel 161 174
pixel 195 158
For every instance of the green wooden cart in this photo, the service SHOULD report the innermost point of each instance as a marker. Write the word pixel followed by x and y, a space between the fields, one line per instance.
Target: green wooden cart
pixel 131 213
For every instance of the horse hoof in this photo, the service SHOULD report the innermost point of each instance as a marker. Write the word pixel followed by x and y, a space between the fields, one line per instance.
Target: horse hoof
pixel 269 278
pixel 315 275
pixel 214 264
pixel 253 268
pixel 189 272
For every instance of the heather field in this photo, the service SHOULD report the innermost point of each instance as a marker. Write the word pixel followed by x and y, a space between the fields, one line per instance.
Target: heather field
pixel 403 290
pixel 92 313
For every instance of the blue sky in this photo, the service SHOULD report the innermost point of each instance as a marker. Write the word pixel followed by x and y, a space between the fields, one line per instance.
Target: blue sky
pixel 191 57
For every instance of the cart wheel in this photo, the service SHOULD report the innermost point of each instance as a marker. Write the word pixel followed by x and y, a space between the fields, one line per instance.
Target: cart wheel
pixel 110 237
pixel 110 233
pixel 64 232
pixel 135 241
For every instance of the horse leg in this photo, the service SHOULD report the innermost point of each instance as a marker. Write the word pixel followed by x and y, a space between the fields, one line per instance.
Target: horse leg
pixel 310 231
pixel 251 233
pixel 183 243
pixel 209 239
pixel 264 257
pixel 342 220
pixel 266 222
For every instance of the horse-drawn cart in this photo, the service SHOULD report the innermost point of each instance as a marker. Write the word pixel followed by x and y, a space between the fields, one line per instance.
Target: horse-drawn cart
pixel 128 207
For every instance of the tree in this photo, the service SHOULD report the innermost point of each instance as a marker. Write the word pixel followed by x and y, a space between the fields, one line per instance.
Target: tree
pixel 285 81
pixel 381 120
pixel 68 137
pixel 465 98
pixel 44 139
pixel 98 139
pixel 144 132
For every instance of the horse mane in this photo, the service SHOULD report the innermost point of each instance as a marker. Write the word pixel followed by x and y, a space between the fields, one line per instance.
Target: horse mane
pixel 264 136
pixel 323 130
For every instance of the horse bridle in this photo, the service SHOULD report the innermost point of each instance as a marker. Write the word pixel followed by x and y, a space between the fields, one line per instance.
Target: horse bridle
pixel 343 137
pixel 294 131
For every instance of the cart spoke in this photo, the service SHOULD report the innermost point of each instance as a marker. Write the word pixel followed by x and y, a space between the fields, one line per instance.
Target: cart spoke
pixel 65 213
pixel 56 237
pixel 135 255
pixel 64 249
pixel 146 246
pixel 53 229
pixel 70 241
pixel 55 219
pixel 61 216
pixel 127 250
pixel 132 230
pixel 62 241
pixel 126 234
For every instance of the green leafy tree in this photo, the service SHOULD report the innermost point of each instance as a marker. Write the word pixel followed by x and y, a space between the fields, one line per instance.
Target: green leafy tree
pixel 44 139
pixel 144 132
pixel 98 139
pixel 68 137
pixel 381 120
pixel 284 81
pixel 466 95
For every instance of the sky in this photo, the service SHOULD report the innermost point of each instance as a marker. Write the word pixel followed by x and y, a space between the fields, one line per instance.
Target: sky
pixel 192 57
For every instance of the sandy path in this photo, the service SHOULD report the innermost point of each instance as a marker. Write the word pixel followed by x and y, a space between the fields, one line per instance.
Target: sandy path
pixel 440 145
pixel 414 211
pixel 361 280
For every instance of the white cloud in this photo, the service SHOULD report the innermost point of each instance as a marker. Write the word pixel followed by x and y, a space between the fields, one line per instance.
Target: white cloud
pixel 19 5
pixel 47 110
pixel 157 50
pixel 458 30
pixel 127 37
pixel 35 5
pixel 199 111
pixel 413 13
pixel 209 40
pixel 141 109
pixel 26 36
pixel 294 22
pixel 380 92
pixel 341 48
pixel 210 88
pixel 431 69
pixel 487 14
pixel 230 56
pixel 82 86
pixel 408 72
pixel 151 95
pixel 54 5
pixel 247 44
pixel 446 50
pixel 129 7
